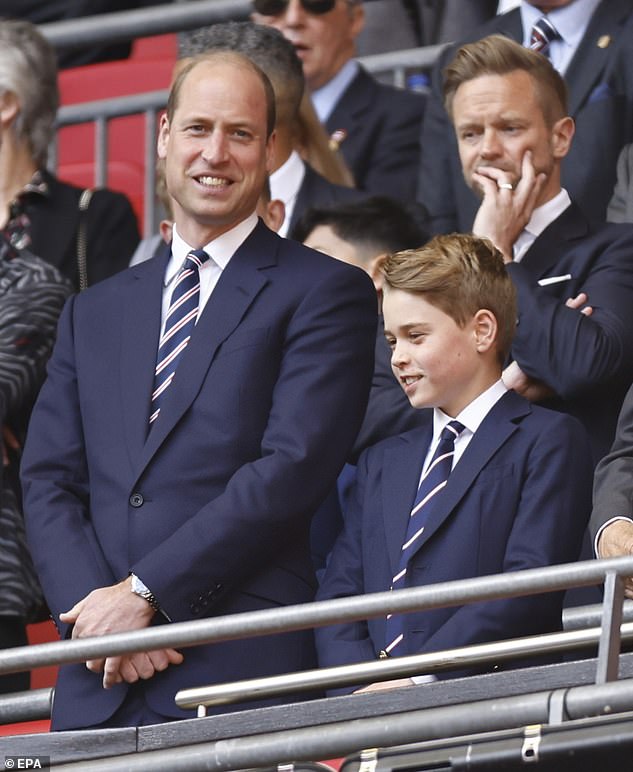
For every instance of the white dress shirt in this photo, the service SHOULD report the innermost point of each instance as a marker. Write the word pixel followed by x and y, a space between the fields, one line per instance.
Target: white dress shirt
pixel 541 217
pixel 285 184
pixel 220 250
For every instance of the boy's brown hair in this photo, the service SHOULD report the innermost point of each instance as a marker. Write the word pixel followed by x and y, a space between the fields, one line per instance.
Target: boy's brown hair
pixel 498 55
pixel 459 274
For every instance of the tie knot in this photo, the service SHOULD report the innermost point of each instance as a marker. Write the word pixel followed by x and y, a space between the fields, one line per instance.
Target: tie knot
pixel 543 33
pixel 198 257
pixel 451 431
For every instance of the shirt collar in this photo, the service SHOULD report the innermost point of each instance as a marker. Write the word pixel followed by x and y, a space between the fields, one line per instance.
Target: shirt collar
pixel 543 215
pixel 570 21
pixel 286 181
pixel 221 249
pixel 326 97
pixel 474 413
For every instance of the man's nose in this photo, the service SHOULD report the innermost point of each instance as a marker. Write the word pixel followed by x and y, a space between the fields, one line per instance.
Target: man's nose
pixel 295 14
pixel 215 148
pixel 491 146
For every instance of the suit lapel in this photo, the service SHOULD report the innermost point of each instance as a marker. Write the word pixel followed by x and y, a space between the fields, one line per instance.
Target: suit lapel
pixel 240 283
pixel 357 97
pixel 545 252
pixel 494 431
pixel 140 332
pixel 401 475
pixel 590 61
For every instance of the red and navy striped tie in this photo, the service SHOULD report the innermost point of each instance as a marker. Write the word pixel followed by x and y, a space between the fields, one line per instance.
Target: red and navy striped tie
pixel 433 481
pixel 180 321
pixel 542 34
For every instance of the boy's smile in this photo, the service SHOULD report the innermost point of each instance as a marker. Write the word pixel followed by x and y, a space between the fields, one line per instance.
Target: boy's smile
pixel 437 363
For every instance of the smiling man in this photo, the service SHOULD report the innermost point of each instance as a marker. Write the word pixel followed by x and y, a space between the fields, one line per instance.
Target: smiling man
pixel 376 126
pixel 509 109
pixel 198 408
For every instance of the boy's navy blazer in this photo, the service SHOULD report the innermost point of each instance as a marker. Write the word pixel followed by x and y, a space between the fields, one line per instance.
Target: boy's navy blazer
pixel 211 508
pixel 519 497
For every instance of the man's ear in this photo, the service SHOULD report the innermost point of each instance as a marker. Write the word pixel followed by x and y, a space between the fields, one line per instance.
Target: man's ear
pixel 562 135
pixel 163 136
pixel 9 108
pixel 358 19
pixel 373 269
pixel 485 329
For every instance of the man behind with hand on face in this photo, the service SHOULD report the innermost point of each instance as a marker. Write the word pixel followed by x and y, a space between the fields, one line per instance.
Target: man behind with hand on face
pixel 509 109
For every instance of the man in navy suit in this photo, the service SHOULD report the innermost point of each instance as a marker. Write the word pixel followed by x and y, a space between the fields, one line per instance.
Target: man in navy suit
pixel 516 492
pixel 206 511
pixel 376 126
pixel 595 56
pixel 509 111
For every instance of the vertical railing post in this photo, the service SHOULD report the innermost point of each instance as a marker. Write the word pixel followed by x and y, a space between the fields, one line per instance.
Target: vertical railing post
pixel 609 646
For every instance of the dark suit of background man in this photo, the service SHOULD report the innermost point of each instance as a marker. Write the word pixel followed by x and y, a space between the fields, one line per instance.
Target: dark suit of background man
pixel 508 108
pixel 611 522
pixel 596 58
pixel 376 126
pixel 209 509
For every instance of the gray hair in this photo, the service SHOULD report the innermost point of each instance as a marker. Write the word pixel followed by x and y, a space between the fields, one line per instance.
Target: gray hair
pixel 265 46
pixel 28 69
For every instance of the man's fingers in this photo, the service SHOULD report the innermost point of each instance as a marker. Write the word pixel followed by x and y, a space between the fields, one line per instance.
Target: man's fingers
pixel 95 665
pixel 70 616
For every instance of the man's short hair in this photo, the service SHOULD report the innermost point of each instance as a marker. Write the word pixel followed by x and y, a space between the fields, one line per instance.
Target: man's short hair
pixel 266 46
pixel 374 225
pixel 459 274
pixel 235 58
pixel 499 55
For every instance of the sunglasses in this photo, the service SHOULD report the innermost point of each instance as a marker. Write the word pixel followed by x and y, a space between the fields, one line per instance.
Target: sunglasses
pixel 276 7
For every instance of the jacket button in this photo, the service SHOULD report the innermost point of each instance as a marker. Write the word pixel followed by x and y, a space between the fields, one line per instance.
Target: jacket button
pixel 136 500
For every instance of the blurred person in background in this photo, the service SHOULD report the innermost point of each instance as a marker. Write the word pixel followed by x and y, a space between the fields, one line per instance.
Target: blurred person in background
pixel 92 233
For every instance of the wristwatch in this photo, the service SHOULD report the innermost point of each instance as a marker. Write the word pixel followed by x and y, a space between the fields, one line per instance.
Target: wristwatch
pixel 138 588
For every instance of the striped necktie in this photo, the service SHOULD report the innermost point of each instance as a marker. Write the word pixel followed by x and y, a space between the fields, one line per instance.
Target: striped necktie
pixel 180 321
pixel 433 481
pixel 543 33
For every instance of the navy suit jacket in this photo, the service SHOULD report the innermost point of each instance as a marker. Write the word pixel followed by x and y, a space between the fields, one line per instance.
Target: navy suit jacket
pixel 600 81
pixel 613 481
pixel 211 509
pixel 382 135
pixel 588 361
pixel 518 498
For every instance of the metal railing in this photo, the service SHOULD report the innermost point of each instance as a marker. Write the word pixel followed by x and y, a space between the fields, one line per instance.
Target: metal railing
pixel 241 753
pixel 318 614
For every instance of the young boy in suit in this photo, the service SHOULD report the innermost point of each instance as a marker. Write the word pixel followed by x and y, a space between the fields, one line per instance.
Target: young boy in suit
pixel 496 484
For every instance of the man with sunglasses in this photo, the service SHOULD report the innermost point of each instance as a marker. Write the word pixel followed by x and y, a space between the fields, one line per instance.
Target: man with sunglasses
pixel 376 126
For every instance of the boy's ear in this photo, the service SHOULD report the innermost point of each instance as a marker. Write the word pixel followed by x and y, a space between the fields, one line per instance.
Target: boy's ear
pixel 485 330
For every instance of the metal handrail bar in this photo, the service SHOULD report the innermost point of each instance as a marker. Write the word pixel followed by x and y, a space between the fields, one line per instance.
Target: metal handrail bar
pixel 388 669
pixel 155 20
pixel 581 617
pixel 307 615
pixel 342 738
pixel 114 107
pixel 26 706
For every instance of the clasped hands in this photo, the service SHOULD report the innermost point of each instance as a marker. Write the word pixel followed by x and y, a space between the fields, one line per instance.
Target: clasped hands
pixel 117 609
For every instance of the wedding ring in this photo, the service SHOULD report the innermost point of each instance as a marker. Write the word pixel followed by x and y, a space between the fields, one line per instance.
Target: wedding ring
pixel 505 186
